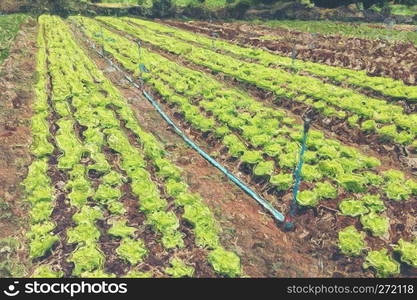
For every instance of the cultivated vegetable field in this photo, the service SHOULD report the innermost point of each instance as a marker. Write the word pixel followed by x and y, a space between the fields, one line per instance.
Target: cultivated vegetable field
pixel 108 187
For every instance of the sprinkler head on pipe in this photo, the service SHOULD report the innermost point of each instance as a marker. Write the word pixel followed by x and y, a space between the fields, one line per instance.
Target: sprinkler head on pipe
pixel 289 224
pixel 308 117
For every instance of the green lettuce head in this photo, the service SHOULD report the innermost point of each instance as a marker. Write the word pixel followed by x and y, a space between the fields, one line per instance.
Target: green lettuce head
pixel 382 262
pixel 351 241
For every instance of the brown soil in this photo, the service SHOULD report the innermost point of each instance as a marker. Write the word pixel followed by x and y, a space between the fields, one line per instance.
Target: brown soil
pixel 16 95
pixel 11 6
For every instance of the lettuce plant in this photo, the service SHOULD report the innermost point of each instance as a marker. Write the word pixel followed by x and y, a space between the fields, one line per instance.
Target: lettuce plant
pixel 167 223
pixel 264 168
pixel 97 274
pixel 307 198
pixel 260 140
pixel 292 148
pixel 185 199
pixel 41 211
pixel 225 262
pixel 351 241
pixel 62 108
pixel 349 165
pixel 148 194
pixel 40 244
pixel 173 239
pixel 205 225
pixel 397 191
pixel 179 269
pixel 40 145
pixel 382 262
pixel 79 186
pixel 315 140
pixel 86 259
pixel 368 126
pixel 370 162
pixel 388 132
pixel 310 173
pixel 175 188
pixel 273 150
pixel 94 137
pixel 310 157
pixel 412 185
pixel 88 214
pixel 408 252
pixel 252 157
pixel 235 145
pixel 330 168
pixel 41 194
pixel 113 178
pixel 372 178
pixel 46 271
pixel 100 163
pixel 287 160
pixel 167 169
pixel 393 176
pixel 222 131
pixel 353 121
pixel 78 198
pixel 106 192
pixel 120 229
pixel 115 207
pixel 353 208
pixel 69 144
pixel 84 233
pixel 40 229
pixel 325 190
pixel 373 203
pixel 137 274
pixel 164 221
pixel 352 183
pixel 349 152
pixel 37 183
pixel 404 137
pixel 133 251
pixel 281 182
pixel 377 224
pixel 329 152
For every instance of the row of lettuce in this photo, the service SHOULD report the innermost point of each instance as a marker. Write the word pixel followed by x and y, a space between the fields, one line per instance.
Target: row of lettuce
pixel 366 31
pixel 263 139
pixel 372 116
pixel 385 86
pixel 82 97
pixel 9 27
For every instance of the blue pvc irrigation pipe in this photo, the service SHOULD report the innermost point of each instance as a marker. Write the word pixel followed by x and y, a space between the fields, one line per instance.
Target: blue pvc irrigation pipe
pixel 265 204
pixel 289 223
pixel 277 215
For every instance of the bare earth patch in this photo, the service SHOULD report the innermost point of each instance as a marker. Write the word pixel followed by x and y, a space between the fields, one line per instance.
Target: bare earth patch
pixel 17 74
